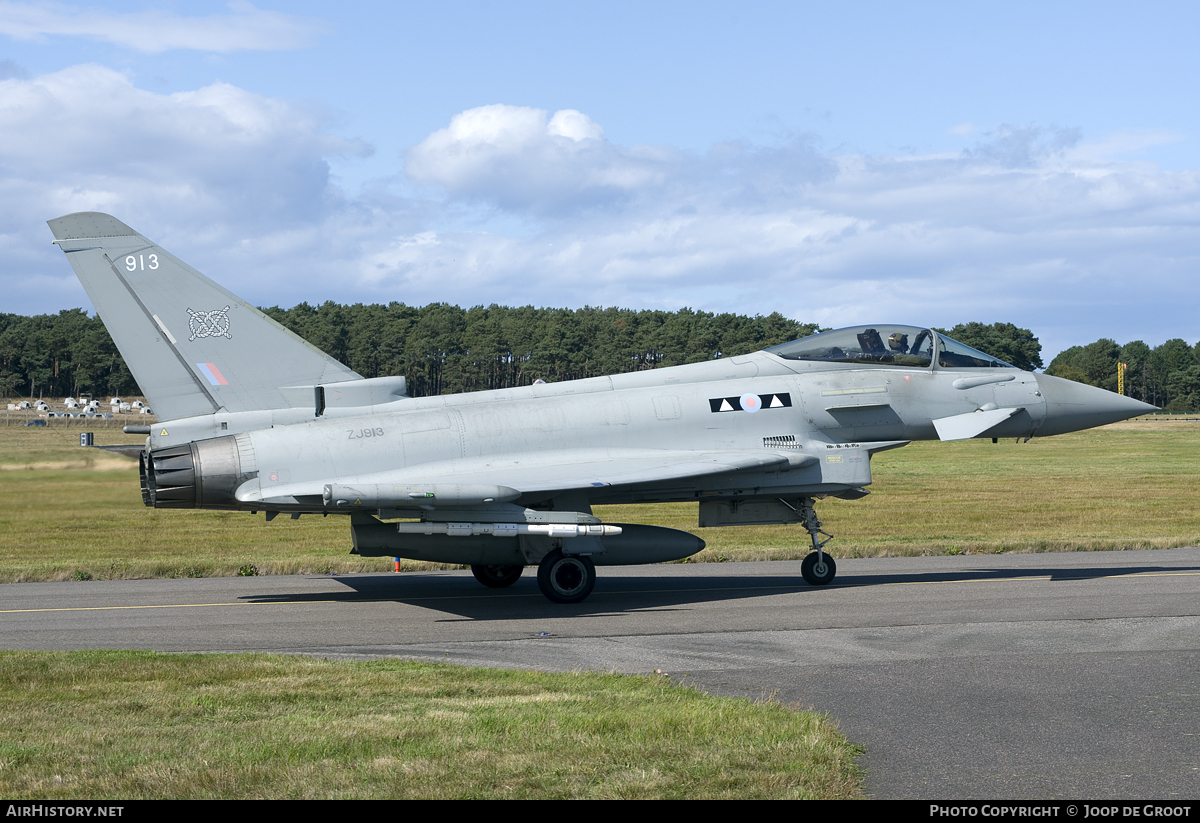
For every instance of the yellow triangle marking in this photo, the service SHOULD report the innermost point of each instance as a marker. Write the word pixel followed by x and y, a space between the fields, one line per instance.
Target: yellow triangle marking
pixel 358 501
pixel 164 433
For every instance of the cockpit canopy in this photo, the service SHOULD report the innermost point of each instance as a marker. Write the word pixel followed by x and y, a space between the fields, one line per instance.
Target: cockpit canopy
pixel 906 346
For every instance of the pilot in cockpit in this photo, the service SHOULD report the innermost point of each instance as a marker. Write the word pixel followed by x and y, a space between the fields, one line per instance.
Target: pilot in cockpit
pixel 898 348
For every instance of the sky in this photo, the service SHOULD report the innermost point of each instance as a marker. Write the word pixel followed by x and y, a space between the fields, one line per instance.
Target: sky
pixel 841 163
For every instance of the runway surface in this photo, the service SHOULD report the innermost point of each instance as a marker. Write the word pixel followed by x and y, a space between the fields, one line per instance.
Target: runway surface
pixel 1015 676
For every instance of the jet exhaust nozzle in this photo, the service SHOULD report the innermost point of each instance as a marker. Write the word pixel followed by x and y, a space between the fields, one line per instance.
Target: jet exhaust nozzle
pixel 202 474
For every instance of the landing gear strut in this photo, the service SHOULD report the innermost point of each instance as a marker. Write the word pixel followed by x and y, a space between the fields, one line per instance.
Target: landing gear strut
pixel 818 568
pixel 566 578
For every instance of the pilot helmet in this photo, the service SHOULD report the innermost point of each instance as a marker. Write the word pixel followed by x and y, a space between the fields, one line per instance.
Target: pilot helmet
pixel 898 341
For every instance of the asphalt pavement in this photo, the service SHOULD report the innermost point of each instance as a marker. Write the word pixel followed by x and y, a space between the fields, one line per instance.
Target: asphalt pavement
pixel 1040 676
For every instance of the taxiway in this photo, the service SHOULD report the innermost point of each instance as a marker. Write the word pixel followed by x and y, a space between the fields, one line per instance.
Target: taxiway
pixel 1014 676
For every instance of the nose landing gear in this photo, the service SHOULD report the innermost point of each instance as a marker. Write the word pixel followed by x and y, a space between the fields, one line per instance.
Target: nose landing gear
pixel 818 568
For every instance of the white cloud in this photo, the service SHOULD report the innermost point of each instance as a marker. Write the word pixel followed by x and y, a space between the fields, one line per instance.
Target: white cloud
pixel 9 69
pixel 1114 147
pixel 86 135
pixel 515 157
pixel 575 125
pixel 1023 146
pixel 1030 225
pixel 200 169
pixel 245 29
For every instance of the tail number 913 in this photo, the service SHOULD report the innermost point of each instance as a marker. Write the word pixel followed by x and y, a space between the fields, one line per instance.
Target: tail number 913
pixel 141 262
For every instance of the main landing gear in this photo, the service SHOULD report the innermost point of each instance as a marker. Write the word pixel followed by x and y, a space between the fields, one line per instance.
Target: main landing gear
pixel 563 578
pixel 497 577
pixel 818 568
pixel 566 578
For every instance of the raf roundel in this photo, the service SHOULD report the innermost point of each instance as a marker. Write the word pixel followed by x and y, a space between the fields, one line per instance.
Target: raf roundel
pixel 751 403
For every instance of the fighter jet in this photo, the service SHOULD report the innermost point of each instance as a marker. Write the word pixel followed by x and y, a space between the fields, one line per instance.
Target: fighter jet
pixel 253 418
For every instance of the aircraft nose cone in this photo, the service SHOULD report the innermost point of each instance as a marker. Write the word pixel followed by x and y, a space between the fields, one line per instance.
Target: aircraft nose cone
pixel 1072 406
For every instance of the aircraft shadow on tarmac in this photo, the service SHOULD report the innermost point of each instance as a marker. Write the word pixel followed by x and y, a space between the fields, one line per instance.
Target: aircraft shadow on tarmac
pixel 985 575
pixel 616 593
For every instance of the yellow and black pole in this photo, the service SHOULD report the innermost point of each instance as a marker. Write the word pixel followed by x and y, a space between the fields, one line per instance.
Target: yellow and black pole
pixel 1121 378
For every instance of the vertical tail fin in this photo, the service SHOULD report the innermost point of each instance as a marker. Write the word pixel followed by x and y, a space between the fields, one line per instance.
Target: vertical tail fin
pixel 193 347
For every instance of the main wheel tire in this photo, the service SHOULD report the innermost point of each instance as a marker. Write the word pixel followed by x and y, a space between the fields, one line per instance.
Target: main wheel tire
pixel 497 577
pixel 818 574
pixel 566 578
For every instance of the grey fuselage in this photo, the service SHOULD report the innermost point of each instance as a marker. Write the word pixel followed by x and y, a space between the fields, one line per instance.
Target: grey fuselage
pixel 254 418
pixel 835 413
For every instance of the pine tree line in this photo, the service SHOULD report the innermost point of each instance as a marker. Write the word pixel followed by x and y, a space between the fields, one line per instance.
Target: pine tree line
pixel 445 349
pixel 439 348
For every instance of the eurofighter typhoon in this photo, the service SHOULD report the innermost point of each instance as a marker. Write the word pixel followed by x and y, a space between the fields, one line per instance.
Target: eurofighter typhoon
pixel 253 418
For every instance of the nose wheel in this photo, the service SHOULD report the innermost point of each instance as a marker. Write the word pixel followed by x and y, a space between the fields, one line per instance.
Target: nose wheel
pixel 818 569
pixel 566 578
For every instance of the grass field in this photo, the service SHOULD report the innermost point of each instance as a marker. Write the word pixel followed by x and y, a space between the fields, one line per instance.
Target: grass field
pixel 128 725
pixel 68 512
